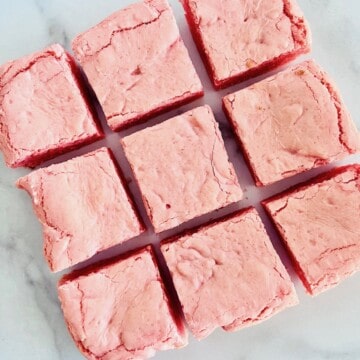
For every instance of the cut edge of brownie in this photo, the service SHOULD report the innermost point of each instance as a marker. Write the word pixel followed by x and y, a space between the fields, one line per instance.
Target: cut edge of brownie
pixel 143 198
pixel 243 149
pixel 141 118
pixel 300 47
pixel 129 195
pixel 336 99
pixel 38 157
pixel 290 300
pixel 32 161
pixel 94 268
pixel 204 226
pixel 85 91
pixel 293 190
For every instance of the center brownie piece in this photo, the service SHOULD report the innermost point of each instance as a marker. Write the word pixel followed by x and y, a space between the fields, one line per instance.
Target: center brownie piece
pixel 291 122
pixel 137 63
pixel 83 207
pixel 228 274
pixel 182 168
pixel 120 310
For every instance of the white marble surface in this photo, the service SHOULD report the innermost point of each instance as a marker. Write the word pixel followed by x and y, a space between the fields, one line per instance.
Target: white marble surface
pixel 31 323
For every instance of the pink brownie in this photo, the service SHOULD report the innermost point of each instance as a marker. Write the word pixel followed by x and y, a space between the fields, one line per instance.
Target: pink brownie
pixel 120 310
pixel 137 63
pixel 240 39
pixel 83 207
pixel 228 274
pixel 319 222
pixel 182 168
pixel 43 108
pixel 291 122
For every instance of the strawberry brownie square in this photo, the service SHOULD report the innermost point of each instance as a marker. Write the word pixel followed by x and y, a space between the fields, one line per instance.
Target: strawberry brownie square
pixel 240 39
pixel 291 122
pixel 137 63
pixel 228 274
pixel 182 168
pixel 44 110
pixel 83 207
pixel 319 223
pixel 120 310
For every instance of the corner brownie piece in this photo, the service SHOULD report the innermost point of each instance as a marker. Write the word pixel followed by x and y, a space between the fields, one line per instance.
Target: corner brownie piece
pixel 291 122
pixel 240 39
pixel 228 274
pixel 83 207
pixel 43 108
pixel 182 168
pixel 137 63
pixel 319 223
pixel 119 309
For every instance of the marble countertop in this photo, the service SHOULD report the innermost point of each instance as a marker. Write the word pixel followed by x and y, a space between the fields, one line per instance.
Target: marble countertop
pixel 31 322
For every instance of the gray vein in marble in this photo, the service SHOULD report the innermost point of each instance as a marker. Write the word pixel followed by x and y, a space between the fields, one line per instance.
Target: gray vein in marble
pixel 56 30
pixel 36 279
